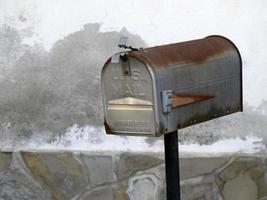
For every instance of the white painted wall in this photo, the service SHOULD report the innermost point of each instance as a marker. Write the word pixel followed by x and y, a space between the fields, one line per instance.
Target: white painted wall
pixel 157 22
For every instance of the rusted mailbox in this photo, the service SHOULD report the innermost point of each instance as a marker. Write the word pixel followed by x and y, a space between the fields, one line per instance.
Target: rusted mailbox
pixel 158 90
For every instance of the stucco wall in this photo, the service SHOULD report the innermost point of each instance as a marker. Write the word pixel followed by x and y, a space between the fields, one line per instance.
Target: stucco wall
pixel 51 58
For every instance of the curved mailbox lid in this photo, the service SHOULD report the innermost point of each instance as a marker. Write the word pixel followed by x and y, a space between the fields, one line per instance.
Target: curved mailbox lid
pixel 194 51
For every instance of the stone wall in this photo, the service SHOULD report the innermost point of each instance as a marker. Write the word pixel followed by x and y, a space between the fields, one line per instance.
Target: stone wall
pixel 125 176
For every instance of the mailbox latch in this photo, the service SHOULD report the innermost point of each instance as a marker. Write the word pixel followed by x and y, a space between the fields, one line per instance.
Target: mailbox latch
pixel 123 58
pixel 167 101
pixel 126 69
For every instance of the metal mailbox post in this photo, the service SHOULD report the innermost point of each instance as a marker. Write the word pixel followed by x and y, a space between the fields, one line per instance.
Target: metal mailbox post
pixel 158 90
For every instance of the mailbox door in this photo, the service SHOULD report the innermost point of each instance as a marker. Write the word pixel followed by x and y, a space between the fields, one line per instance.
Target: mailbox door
pixel 129 103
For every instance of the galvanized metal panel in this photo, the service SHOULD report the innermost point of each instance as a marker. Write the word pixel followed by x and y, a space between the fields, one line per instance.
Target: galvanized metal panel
pixel 218 77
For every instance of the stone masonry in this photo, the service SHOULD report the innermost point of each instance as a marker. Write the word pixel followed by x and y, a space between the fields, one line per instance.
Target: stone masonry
pixel 125 176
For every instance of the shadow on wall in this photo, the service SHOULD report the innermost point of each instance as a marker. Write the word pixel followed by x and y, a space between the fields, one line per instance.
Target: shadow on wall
pixel 50 91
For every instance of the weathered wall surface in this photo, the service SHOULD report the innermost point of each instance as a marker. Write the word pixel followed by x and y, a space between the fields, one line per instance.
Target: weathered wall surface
pixel 51 58
pixel 47 92
pixel 125 176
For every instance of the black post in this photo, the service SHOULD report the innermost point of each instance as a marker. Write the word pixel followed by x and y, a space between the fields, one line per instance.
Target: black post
pixel 172 166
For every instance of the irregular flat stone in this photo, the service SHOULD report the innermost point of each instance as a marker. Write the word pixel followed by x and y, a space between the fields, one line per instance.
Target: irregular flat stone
pixel 262 182
pixel 240 188
pixel 120 195
pixel 234 169
pixel 192 167
pixel 129 163
pixel 59 173
pixel 5 161
pixel 256 173
pixel 262 187
pixel 99 194
pixel 145 187
pixel 198 192
pixel 17 186
pixel 101 169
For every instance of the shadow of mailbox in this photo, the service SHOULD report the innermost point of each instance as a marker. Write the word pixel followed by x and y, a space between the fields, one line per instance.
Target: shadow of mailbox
pixel 153 91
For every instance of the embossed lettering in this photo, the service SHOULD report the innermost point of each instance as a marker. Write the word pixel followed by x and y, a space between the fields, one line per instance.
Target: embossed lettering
pixel 128 86
pixel 115 74
pixel 129 90
pixel 115 89
pixel 136 75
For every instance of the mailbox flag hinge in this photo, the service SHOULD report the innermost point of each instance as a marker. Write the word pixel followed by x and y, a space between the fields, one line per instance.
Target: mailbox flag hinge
pixel 172 100
pixel 167 101
pixel 116 57
pixel 124 60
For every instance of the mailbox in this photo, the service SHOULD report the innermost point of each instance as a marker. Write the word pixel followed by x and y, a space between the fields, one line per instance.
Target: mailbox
pixel 157 90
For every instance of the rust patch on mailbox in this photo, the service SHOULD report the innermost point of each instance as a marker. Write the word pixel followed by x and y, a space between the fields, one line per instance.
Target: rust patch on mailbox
pixel 179 100
pixel 196 51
